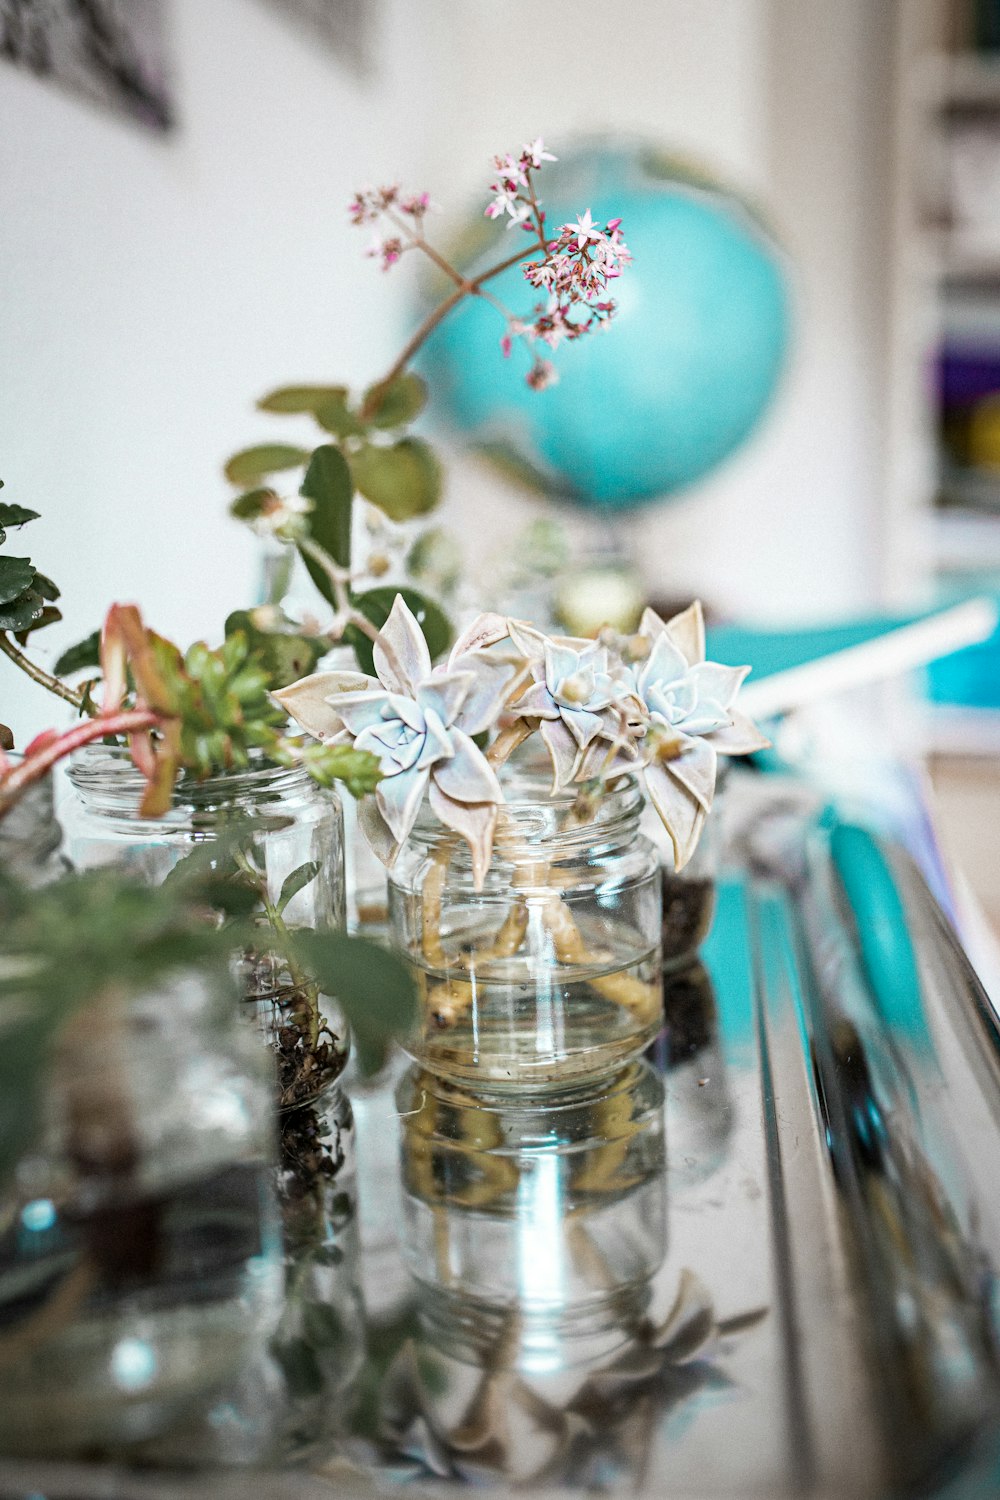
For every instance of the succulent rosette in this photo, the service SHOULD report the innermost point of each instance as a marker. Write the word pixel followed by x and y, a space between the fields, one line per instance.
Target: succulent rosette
pixel 577 693
pixel 419 722
pixel 683 718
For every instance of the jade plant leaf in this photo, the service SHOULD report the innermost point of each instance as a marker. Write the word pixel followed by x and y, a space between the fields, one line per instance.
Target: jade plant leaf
pixel 336 416
pixel 84 656
pixel 395 403
pixel 284 655
pixel 251 464
pixel 49 616
pixel 301 398
pixel 376 605
pixel 21 613
pixel 403 479
pixel 252 503
pixel 14 515
pixel 374 987
pixel 16 575
pixel 328 485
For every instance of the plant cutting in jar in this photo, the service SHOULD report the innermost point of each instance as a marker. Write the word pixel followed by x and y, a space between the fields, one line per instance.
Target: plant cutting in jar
pixel 371 451
pixel 192 716
pixel 610 713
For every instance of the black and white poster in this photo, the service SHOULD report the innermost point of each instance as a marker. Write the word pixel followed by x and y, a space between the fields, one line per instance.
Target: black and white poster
pixel 112 51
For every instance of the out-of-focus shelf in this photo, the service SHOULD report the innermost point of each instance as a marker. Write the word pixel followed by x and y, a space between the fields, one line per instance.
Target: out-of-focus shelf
pixel 966 541
pixel 962 79
pixel 956 730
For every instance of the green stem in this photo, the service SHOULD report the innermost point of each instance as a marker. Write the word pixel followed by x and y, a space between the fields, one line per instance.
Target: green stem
pixel 38 674
pixel 278 926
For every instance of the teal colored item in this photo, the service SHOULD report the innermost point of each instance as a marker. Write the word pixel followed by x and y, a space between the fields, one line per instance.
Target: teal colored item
pixel 771 651
pixel 686 369
pixel 880 919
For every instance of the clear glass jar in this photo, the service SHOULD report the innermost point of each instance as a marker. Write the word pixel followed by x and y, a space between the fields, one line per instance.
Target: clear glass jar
pixel 140 1257
pixel 533 1228
pixel 298 827
pixel 549 976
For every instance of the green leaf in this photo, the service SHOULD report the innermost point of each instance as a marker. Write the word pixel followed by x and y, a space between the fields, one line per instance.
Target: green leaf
pixel 85 654
pixel 251 504
pixel 398 402
pixel 373 985
pixel 336 416
pixel 16 515
pixel 49 616
pixel 376 604
pixel 16 575
pixel 251 464
pixel 300 1367
pixel 283 655
pixel 402 479
pixel 21 612
pixel 358 770
pixel 301 398
pixel 45 587
pixel 322 1326
pixel 297 881
pixel 328 485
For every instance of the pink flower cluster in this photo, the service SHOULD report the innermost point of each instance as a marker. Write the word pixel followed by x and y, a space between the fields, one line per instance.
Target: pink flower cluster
pixel 513 174
pixel 573 269
pixel 372 204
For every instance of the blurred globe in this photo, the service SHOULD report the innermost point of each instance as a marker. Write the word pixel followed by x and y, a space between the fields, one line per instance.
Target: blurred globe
pixel 683 375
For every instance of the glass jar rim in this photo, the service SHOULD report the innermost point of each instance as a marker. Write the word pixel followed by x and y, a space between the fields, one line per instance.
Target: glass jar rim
pixel 533 812
pixel 105 776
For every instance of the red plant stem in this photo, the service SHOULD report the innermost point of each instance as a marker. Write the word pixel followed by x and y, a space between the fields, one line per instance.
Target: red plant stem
pixel 14 784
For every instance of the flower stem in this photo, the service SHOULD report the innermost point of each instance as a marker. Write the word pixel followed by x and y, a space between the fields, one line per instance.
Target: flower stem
pixel 39 674
pixel 465 287
pixel 347 614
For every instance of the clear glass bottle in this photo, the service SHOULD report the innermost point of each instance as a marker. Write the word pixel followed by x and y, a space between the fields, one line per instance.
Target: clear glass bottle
pixel 549 976
pixel 140 1256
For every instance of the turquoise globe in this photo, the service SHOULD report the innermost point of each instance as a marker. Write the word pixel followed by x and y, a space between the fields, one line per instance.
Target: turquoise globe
pixel 680 379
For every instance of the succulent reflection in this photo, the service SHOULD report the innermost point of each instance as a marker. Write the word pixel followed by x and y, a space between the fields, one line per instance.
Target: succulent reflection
pixel 533 1237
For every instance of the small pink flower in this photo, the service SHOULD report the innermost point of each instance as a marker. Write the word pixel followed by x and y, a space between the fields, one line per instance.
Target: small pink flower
pixel 583 231
pixel 506 345
pixel 416 205
pixel 542 374
pixel 388 251
pixel 535 153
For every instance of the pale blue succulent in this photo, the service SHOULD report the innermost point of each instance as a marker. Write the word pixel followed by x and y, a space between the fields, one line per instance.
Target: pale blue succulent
pixel 419 722
pixel 574 694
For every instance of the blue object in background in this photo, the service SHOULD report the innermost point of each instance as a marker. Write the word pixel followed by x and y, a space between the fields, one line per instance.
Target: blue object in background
pixel 969 678
pixel 686 370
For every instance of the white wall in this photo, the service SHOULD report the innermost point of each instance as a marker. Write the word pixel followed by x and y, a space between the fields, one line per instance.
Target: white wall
pixel 151 289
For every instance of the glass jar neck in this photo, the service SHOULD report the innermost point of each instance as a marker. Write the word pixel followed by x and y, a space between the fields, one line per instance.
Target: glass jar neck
pixel 535 821
pixel 108 784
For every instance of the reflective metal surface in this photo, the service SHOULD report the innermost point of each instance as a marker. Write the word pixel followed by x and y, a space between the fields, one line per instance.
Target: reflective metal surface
pixel 762 1263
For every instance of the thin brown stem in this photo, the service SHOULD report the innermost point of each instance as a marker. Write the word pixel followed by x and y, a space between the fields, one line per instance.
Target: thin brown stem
pixel 38 674
pixel 339 578
pixel 464 288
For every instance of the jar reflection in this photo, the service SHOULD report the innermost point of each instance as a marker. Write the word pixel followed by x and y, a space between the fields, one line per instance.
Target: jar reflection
pixel 555 1213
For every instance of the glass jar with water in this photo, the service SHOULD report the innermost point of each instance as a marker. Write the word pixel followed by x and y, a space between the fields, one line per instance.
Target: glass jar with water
pixel 550 975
